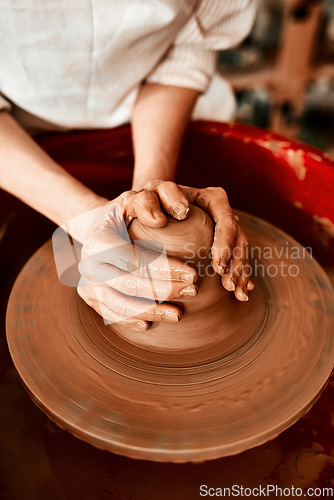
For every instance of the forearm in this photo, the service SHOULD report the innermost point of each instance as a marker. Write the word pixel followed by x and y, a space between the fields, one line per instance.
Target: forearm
pixel 28 173
pixel 160 117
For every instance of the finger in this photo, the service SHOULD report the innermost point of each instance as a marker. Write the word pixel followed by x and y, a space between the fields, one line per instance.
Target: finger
pixel 250 286
pixel 124 307
pixel 227 281
pixel 239 256
pixel 240 294
pixel 136 325
pixel 132 285
pixel 173 199
pixel 236 278
pixel 146 206
pixel 109 316
pixel 242 277
pixel 223 243
pixel 241 290
pixel 215 202
pixel 162 267
pixel 112 249
pixel 229 285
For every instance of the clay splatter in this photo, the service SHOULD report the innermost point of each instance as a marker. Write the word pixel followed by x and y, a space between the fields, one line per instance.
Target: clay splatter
pixel 281 149
pixel 314 156
pixel 296 160
pixel 274 146
pixel 324 228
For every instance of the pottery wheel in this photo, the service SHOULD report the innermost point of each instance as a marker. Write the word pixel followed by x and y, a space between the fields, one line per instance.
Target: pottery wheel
pixel 183 406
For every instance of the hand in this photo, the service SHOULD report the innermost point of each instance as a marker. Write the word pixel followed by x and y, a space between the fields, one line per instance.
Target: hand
pixel 230 245
pixel 116 276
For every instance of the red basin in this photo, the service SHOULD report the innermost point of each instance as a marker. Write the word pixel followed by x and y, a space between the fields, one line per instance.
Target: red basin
pixel 285 182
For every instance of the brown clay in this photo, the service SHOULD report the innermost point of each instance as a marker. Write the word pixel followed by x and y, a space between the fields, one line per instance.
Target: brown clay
pixel 187 404
pixel 212 316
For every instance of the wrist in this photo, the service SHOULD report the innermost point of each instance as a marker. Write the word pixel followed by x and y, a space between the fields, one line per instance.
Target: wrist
pixel 94 201
pixel 81 222
pixel 158 166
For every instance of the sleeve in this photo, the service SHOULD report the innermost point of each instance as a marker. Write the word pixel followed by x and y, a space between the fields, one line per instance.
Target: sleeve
pixel 215 25
pixel 4 104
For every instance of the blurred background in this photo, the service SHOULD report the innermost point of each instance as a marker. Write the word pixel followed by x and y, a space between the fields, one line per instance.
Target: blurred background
pixel 283 74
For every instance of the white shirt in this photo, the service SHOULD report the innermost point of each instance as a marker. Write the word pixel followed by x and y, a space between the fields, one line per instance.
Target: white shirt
pixel 79 63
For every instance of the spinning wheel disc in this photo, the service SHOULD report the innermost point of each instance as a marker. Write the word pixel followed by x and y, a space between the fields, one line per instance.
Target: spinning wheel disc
pixel 185 406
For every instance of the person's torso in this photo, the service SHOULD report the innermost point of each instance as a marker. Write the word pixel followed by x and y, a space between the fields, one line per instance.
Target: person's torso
pixel 78 63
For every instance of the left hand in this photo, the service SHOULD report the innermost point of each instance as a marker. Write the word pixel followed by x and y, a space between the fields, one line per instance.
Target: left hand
pixel 230 245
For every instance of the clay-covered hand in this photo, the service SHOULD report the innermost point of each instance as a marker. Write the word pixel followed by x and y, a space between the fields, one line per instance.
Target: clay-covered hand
pixel 230 245
pixel 124 283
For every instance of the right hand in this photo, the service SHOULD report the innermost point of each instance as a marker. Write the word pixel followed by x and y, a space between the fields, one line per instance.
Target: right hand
pixel 121 281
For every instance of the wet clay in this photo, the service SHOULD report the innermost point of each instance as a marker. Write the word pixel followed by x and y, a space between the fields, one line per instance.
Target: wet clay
pixel 214 315
pixel 178 405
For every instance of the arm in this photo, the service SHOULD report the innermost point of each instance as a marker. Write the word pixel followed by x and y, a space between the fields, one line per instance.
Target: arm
pixel 160 117
pixel 159 121
pixel 28 173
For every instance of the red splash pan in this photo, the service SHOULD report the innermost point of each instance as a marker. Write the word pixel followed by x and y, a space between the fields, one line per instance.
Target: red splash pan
pixel 285 182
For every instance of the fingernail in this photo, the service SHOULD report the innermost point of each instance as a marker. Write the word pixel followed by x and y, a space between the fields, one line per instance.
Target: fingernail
pixel 243 297
pixel 188 291
pixel 180 208
pixel 137 327
pixel 187 277
pixel 142 324
pixel 171 316
pixel 250 286
pixel 229 286
pixel 134 325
